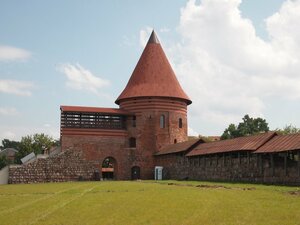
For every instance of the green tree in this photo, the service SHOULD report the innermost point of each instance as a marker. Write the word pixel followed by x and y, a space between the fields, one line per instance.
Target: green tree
pixel 3 161
pixel 249 126
pixel 230 132
pixel 6 143
pixel 36 143
pixel 288 129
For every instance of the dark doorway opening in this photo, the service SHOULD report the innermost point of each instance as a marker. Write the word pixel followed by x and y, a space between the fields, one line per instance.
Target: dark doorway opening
pixel 108 168
pixel 135 173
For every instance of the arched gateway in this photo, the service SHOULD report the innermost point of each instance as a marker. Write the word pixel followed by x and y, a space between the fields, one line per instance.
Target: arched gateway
pixel 109 168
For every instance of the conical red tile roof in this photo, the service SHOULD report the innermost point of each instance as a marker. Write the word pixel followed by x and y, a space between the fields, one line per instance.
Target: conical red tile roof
pixel 153 76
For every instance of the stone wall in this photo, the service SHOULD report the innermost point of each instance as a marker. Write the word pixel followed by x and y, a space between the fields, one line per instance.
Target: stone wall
pixel 66 166
pixel 243 167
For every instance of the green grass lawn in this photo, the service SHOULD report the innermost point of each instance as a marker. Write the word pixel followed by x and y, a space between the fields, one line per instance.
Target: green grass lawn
pixel 166 202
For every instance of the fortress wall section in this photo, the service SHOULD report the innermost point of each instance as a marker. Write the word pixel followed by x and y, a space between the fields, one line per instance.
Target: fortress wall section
pixel 232 167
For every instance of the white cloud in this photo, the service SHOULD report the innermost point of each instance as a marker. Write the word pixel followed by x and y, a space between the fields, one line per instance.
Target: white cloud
pixel 7 135
pixel 9 53
pixel 8 111
pixel 144 36
pixel 17 132
pixel 79 78
pixel 227 69
pixel 16 87
pixel 192 132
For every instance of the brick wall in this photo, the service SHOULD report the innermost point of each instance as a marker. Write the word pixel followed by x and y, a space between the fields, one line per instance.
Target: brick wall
pixel 148 133
pixel 95 149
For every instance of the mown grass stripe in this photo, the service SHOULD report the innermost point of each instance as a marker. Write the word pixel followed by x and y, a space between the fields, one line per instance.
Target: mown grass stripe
pixel 146 203
pixel 62 205
pixel 18 207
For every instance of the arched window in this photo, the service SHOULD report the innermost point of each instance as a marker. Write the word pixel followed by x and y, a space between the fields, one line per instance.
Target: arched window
pixel 180 123
pixel 162 121
pixel 132 142
pixel 175 141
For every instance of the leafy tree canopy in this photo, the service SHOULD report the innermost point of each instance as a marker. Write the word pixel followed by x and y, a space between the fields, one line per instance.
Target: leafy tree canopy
pixel 6 143
pixel 288 129
pixel 3 161
pixel 36 143
pixel 249 126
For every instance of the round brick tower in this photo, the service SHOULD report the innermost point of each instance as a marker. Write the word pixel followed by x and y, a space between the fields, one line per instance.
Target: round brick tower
pixel 159 104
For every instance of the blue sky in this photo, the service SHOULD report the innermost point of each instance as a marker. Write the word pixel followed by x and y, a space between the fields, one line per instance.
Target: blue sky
pixel 56 53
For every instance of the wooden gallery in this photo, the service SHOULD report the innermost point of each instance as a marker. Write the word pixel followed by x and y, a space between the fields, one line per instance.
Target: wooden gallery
pixel 149 129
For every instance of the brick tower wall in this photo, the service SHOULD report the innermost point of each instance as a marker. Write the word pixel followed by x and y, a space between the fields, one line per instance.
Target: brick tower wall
pixel 149 136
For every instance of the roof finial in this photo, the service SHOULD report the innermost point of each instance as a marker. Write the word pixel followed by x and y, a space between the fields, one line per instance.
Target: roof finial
pixel 153 38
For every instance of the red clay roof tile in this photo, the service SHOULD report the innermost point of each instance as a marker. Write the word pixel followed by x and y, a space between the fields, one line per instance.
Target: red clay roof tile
pixel 179 147
pixel 94 110
pixel 249 143
pixel 281 143
pixel 153 76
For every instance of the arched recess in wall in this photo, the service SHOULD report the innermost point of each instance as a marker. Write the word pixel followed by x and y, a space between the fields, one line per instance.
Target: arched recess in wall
pixel 109 168
pixel 135 173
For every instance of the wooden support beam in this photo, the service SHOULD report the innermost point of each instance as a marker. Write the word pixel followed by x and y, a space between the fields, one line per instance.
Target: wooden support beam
pixel 272 164
pixel 298 153
pixel 285 163
pixel 248 158
pixel 261 166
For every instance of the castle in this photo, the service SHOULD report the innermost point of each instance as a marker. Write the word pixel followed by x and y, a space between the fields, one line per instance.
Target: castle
pixel 152 113
pixel 150 129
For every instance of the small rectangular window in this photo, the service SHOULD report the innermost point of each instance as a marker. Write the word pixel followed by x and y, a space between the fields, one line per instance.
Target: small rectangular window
pixel 162 121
